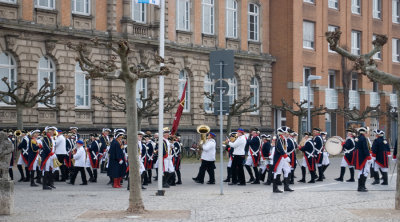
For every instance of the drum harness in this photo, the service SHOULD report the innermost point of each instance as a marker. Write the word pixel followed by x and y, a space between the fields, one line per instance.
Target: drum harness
pixel 310 155
pixel 350 150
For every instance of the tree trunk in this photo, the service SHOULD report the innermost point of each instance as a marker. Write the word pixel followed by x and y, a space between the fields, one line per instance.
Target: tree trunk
pixel 20 121
pixel 346 77
pixel 139 122
pixel 299 128
pixel 228 124
pixel 397 197
pixel 135 194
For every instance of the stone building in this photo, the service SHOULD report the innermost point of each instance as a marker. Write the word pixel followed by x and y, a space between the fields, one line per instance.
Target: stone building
pixel 33 45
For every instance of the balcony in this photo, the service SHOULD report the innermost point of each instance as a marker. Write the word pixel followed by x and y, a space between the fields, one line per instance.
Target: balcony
pixel 304 96
pixel 331 98
pixel 354 99
pixel 374 99
pixel 393 100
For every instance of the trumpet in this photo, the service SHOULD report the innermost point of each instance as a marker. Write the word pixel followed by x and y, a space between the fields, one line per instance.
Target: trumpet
pixel 203 130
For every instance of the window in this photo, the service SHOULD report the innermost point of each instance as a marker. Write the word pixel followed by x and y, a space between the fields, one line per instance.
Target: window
pixel 377 55
pixel 308 35
pixel 47 70
pixel 354 81
pixel 356 42
pixel 374 99
pixel 138 12
pixel 231 18
pixel 208 88
pixel 396 11
pixel 332 28
pixel 254 89
pixel 183 15
pixel 356 7
pixel 332 79
pixel 80 7
pixel 280 118
pixel 208 16
pixel 183 77
pixel 253 22
pixel 141 88
pixel 8 68
pixel 375 87
pixel 333 4
pixel 331 95
pixel 377 9
pixel 309 1
pixel 354 95
pixel 45 4
pixel 82 88
pixel 306 74
pixel 9 1
pixel 232 93
pixel 396 50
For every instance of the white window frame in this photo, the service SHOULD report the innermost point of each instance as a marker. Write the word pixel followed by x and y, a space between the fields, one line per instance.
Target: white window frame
pixel 255 89
pixel 307 71
pixel 256 24
pixel 377 9
pixel 333 4
pixel 86 88
pixel 12 74
pixel 280 119
pixel 51 4
pixel 141 86
pixel 183 76
pixel 356 42
pixel 395 50
pixel 309 1
pixel 233 90
pixel 377 55
pixel 308 35
pixel 209 88
pixel 332 28
pixel 331 73
pixel 9 1
pixel 231 18
pixel 356 7
pixel 50 69
pixel 396 11
pixel 142 9
pixel 183 14
pixel 208 12
pixel 86 7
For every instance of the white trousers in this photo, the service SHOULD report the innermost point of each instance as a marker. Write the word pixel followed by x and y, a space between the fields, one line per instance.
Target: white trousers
pixel 249 161
pixel 141 169
pixel 230 162
pixel 325 161
pixel 377 167
pixel 263 165
pixel 304 162
pixel 283 165
pixel 21 161
pixel 345 164
pixel 365 170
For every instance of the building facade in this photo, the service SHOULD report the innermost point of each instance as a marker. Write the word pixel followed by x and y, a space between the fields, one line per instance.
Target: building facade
pixel 298 42
pixel 33 45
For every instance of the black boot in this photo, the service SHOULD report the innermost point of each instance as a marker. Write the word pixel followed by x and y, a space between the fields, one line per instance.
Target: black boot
pixel 303 175
pixel 56 176
pixel 144 178
pixel 275 186
pixel 364 181
pixel 250 173
pixel 321 174
pixel 257 181
pixel 313 176
pixel 38 176
pixel 324 167
pixel 110 182
pixel 156 177
pixel 372 171
pixel 172 179
pixel 165 180
pixel 32 177
pixel 229 175
pixel 361 185
pixel 91 178
pixel 286 184
pixel 149 172
pixel 376 178
pixel 178 174
pixel 45 181
pixel 291 176
pixel 269 177
pixel 278 180
pixel 385 178
pixel 351 175
pixel 21 172
pixel 102 167
pixel 11 173
pixel 28 175
pixel 262 175
pixel 342 171
pixel 94 176
pixel 50 180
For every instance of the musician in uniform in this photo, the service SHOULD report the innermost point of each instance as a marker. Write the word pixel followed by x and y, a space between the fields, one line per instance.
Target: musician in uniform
pixel 142 150
pixel 362 159
pixel 80 163
pixel 380 155
pixel 177 157
pixel 291 148
pixel 32 153
pixel 165 151
pixel 325 161
pixel 61 153
pixel 265 149
pixel 74 130
pixel 23 146
pixel 281 160
pixel 238 158
pixel 318 154
pixel 94 156
pixel 253 157
pixel 308 160
pixel 116 160
pixel 70 145
pixel 104 146
pixel 207 160
pixel 149 156
pixel 229 150
pixel 348 158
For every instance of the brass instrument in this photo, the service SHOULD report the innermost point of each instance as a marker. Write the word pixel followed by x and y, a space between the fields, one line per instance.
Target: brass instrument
pixel 203 130
pixel 17 133
pixel 56 163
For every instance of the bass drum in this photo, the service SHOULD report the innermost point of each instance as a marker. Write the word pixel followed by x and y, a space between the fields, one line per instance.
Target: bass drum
pixel 334 145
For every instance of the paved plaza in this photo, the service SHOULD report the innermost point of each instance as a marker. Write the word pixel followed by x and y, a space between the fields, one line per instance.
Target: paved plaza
pixel 324 201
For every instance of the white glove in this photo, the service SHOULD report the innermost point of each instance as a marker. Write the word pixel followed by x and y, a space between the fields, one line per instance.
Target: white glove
pixel 120 162
pixel 287 159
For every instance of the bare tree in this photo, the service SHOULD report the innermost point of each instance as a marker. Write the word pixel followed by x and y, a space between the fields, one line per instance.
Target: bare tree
pixel 148 106
pixel 129 75
pixel 21 96
pixel 365 65
pixel 360 115
pixel 299 110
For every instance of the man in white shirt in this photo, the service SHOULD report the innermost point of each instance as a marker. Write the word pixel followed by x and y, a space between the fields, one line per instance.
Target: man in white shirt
pixel 61 152
pixel 80 163
pixel 238 158
pixel 207 160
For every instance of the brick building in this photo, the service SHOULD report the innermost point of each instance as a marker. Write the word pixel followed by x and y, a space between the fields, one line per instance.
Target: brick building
pixel 34 34
pixel 298 43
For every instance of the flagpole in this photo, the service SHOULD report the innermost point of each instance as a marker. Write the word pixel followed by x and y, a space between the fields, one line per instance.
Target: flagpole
pixel 160 191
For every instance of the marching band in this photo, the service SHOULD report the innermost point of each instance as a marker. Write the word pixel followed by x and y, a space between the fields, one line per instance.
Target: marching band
pixel 53 153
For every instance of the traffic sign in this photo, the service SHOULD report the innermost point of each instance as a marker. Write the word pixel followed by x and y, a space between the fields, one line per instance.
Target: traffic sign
pixel 221 85
pixel 225 105
pixel 222 61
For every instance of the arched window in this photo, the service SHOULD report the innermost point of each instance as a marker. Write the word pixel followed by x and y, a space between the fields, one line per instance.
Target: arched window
pixel 8 69
pixel 208 88
pixel 138 12
pixel 232 93
pixel 254 90
pixel 82 88
pixel 141 88
pixel 231 18
pixel 47 69
pixel 183 77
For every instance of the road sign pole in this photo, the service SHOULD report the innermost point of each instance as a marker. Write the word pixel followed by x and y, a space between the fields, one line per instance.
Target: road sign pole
pixel 221 129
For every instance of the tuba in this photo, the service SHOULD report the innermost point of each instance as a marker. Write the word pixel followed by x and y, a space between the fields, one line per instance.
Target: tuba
pixel 17 133
pixel 203 130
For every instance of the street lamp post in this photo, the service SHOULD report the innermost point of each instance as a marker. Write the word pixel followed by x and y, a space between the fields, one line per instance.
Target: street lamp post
pixel 309 79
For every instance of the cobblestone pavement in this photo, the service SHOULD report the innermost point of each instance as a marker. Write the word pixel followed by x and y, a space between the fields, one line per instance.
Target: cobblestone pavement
pixel 324 201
